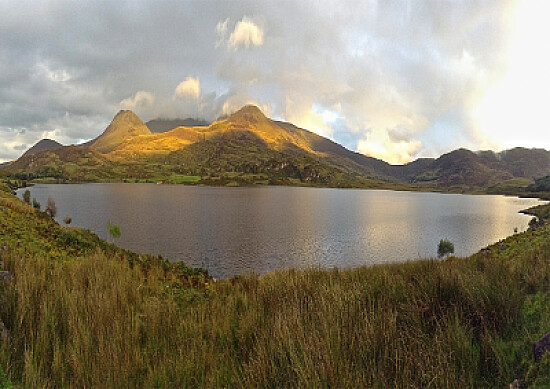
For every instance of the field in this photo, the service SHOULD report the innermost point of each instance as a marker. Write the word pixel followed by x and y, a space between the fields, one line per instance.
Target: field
pixel 83 313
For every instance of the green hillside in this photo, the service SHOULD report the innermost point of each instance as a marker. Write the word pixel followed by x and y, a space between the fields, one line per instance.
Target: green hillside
pixel 249 148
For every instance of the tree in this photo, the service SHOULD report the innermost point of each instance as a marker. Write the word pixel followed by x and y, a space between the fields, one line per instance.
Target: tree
pixel 51 208
pixel 27 196
pixel 67 220
pixel 534 223
pixel 445 248
pixel 35 204
pixel 114 230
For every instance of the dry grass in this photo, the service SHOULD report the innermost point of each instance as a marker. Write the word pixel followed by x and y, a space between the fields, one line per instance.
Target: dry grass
pixel 82 313
pixel 98 323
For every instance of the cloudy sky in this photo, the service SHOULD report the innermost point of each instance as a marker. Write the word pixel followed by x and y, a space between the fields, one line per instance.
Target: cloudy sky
pixel 395 80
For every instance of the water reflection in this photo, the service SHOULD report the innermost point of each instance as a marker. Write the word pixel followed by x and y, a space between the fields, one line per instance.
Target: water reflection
pixel 237 230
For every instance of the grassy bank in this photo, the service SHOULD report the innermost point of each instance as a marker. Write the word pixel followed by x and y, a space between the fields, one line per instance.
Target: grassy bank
pixel 88 314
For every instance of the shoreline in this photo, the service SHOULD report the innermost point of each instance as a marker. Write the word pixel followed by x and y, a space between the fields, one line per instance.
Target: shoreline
pixel 343 266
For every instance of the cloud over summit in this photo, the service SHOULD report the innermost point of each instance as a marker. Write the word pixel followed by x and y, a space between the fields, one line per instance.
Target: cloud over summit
pixel 190 87
pixel 141 98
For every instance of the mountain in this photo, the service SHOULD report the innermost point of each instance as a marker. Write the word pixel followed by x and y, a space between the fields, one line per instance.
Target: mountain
pixel 44 144
pixel 125 126
pixel 462 168
pixel 522 162
pixel 75 162
pixel 485 169
pixel 247 147
pixel 249 123
pixel 165 125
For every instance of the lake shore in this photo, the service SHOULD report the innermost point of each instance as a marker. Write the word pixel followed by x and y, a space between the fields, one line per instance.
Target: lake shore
pixel 234 231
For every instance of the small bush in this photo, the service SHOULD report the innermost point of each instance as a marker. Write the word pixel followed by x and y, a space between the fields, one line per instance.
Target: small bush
pixel 51 208
pixel 445 247
pixel 114 230
pixel 67 220
pixel 35 204
pixel 27 196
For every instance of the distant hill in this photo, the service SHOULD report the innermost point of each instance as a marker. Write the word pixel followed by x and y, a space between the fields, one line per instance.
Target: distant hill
pixel 462 168
pixel 522 162
pixel 484 169
pixel 165 125
pixel 76 162
pixel 248 147
pixel 44 144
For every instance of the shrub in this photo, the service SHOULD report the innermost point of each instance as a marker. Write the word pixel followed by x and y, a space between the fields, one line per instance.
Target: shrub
pixel 27 196
pixel 51 208
pixel 67 220
pixel 114 230
pixel 35 204
pixel 445 247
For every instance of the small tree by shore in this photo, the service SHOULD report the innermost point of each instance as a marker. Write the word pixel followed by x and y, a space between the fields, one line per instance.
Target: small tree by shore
pixel 114 230
pixel 27 196
pixel 51 208
pixel 67 220
pixel 35 204
pixel 444 248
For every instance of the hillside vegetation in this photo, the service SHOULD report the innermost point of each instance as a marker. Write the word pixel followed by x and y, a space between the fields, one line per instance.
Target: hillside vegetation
pixel 265 151
pixel 82 313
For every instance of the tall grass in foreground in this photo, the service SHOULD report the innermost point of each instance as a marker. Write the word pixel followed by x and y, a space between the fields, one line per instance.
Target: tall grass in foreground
pixel 96 322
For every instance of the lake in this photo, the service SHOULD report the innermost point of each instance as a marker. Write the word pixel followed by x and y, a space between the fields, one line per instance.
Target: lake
pixel 232 231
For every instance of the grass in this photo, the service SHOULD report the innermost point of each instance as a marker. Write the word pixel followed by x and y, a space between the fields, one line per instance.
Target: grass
pixel 541 211
pixel 510 187
pixel 177 179
pixel 92 317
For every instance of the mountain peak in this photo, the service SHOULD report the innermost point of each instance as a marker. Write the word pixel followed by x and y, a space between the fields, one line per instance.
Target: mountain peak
pixel 125 115
pixel 126 124
pixel 249 113
pixel 250 109
pixel 41 145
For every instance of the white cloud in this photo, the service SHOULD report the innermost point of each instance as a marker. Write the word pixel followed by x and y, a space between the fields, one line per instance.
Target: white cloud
pixel 379 144
pixel 221 30
pixel 141 99
pixel 246 33
pixel 514 110
pixel 190 87
pixel 303 114
pixel 54 75
pixel 237 100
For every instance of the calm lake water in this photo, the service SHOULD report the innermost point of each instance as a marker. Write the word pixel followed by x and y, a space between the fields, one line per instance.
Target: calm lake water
pixel 237 230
